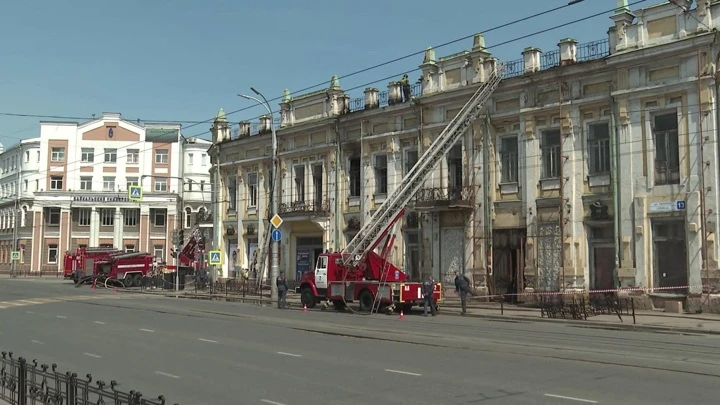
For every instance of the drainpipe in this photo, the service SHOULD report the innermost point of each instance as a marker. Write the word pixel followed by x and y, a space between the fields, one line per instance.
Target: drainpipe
pixel 487 212
pixel 418 110
pixel 338 165
pixel 615 179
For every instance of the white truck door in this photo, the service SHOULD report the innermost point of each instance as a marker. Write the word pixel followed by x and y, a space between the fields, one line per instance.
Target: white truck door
pixel 321 272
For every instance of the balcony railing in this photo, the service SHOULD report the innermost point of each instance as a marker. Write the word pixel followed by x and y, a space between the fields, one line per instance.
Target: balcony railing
pixel 445 197
pixel 305 207
pixel 358 104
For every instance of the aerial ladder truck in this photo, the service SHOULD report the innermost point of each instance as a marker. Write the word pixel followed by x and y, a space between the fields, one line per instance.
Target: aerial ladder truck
pixel 358 273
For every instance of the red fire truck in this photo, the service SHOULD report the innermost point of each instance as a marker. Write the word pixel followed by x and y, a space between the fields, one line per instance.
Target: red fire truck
pixel 358 273
pixel 83 259
pixel 129 268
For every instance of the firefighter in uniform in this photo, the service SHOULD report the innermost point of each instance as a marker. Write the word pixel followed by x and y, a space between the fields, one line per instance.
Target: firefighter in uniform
pixel 282 288
pixel 428 298
pixel 462 286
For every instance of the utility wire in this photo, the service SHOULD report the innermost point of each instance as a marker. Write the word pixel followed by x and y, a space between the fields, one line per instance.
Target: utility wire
pixel 195 123
pixel 366 84
pixel 417 53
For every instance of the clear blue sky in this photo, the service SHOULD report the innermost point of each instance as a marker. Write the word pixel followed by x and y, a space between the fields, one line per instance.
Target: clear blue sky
pixel 184 59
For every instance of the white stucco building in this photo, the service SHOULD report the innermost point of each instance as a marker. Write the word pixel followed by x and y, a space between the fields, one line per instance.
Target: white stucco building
pixel 74 181
pixel 594 168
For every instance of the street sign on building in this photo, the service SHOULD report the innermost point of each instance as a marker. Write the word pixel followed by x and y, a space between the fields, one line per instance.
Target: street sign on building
pixel 276 235
pixel 135 193
pixel 215 257
pixel 667 206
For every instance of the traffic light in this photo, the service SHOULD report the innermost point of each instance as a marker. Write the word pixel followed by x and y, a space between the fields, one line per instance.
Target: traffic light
pixel 201 243
pixel 181 237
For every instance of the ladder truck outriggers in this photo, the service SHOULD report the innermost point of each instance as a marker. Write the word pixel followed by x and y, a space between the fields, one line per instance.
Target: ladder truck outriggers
pixel 358 273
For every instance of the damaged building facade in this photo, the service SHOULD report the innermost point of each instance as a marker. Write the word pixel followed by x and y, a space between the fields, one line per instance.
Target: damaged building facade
pixel 595 166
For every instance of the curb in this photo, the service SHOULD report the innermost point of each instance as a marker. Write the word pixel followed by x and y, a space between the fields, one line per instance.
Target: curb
pixel 578 323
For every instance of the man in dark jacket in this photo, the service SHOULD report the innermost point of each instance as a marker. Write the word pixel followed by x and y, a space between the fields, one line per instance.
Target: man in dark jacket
pixel 462 286
pixel 282 288
pixel 428 289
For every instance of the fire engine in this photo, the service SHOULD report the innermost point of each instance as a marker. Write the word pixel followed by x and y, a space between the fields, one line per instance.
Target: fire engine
pixel 128 268
pixel 358 273
pixel 83 259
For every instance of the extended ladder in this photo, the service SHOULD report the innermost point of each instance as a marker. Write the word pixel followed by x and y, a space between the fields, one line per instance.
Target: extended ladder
pixel 385 271
pixel 411 183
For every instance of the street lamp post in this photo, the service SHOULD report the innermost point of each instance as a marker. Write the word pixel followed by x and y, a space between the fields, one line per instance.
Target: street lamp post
pixel 274 259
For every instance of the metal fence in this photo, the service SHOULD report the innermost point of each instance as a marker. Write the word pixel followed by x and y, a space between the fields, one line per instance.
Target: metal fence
pixel 25 382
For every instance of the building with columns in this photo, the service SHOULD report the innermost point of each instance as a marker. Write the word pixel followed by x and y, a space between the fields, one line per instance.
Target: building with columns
pixel 70 187
pixel 594 166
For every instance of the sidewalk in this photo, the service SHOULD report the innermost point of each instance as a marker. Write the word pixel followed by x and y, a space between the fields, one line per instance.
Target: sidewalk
pixel 644 320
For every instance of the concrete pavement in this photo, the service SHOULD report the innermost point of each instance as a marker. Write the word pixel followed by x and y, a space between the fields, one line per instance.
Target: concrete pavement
pixel 210 352
pixel 644 320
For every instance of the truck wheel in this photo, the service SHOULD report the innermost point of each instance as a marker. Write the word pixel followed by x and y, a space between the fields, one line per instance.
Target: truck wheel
pixel 307 298
pixel 338 304
pixel 137 280
pixel 128 281
pixel 366 299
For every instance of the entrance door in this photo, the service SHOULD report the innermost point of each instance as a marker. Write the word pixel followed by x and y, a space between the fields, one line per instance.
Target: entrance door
pixel 603 268
pixel 508 261
pixel 452 253
pixel 670 255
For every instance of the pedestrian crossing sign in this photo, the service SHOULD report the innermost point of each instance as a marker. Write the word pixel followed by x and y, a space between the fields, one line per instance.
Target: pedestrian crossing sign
pixel 135 193
pixel 15 255
pixel 215 257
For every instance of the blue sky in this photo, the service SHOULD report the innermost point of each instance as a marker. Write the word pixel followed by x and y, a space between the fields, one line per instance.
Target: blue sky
pixel 184 59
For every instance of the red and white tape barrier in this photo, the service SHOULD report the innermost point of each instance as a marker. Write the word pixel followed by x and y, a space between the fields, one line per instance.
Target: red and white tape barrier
pixel 577 292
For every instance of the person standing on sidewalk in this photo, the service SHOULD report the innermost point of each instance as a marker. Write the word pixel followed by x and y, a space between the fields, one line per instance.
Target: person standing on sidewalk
pixel 282 288
pixel 462 287
pixel 428 299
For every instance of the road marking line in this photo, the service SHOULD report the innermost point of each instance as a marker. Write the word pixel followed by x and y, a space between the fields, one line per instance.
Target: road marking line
pixel 100 323
pixel 62 317
pixel 31 302
pixel 29 312
pixel 208 340
pixel 403 372
pixel 166 374
pixel 572 399
pixel 38 342
pixel 267 401
pixel 289 354
pixel 93 355
pixel 147 330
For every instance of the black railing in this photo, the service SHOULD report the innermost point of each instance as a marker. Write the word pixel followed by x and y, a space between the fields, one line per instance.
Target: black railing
pixel 593 50
pixel 444 196
pixel 23 382
pixel 305 207
pixel 358 104
pixel 585 305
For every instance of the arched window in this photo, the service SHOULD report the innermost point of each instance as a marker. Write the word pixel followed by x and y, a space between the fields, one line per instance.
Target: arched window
pixel 188 217
pixel 23 216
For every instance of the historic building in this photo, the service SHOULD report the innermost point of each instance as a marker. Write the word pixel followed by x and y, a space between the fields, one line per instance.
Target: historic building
pixel 595 166
pixel 69 189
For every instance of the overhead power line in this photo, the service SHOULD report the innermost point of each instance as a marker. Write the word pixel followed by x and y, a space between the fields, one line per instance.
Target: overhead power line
pixel 410 71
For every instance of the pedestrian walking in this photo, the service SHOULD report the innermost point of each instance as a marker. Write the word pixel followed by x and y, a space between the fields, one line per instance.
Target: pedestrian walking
pixel 282 288
pixel 428 296
pixel 462 287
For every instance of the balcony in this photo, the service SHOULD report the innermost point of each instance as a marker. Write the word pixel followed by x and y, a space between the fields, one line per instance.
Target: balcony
pixel 444 198
pixel 305 207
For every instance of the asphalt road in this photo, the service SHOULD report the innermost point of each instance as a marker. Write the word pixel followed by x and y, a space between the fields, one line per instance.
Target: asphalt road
pixel 203 352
